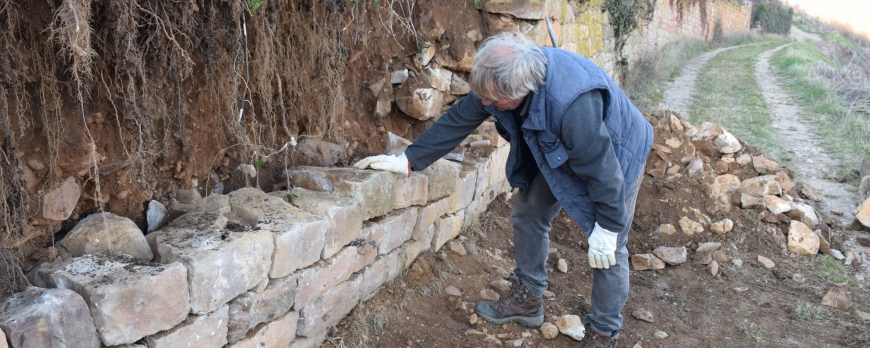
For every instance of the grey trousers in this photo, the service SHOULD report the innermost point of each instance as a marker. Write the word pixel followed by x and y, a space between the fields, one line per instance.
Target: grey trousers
pixel 531 218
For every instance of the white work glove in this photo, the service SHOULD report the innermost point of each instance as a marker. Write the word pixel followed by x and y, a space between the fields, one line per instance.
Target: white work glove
pixel 602 248
pixel 391 163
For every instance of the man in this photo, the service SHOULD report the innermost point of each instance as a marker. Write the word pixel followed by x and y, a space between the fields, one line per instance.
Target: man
pixel 576 143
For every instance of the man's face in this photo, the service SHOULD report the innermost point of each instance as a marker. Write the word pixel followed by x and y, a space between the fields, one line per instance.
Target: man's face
pixel 501 103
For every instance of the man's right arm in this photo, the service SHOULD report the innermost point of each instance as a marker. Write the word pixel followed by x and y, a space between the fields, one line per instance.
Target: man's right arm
pixel 454 126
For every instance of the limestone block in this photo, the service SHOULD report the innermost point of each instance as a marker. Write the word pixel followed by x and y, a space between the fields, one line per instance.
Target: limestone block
pixel 420 103
pixel 748 201
pixel 426 54
pixel 315 341
pixel 805 213
pixel 464 194
pixel 314 281
pixel 727 142
pixel 427 216
pixel 59 203
pixel 206 331
pixel 370 240
pixel 495 169
pixel 863 213
pixel 722 188
pixel 396 229
pixel 409 252
pixel 278 333
pixel 328 309
pixel 107 232
pixel 299 236
pixel 411 190
pixel 343 216
pixel 399 76
pixel 708 131
pixel 321 152
pixel 528 9
pixel 222 261
pixel 110 282
pixel 458 86
pixel 764 165
pixel 252 308
pixel 488 131
pixel 472 212
pixel 437 78
pixel 671 255
pixel 396 145
pixel 784 181
pixel 464 63
pixel 802 240
pixel 442 176
pixel 722 227
pixel 690 227
pixel 373 188
pixel 775 204
pixel 38 317
pixel 761 185
pixel 446 229
pixel 642 262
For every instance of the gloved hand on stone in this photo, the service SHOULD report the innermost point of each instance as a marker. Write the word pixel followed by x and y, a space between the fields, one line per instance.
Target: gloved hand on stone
pixel 602 248
pixel 396 164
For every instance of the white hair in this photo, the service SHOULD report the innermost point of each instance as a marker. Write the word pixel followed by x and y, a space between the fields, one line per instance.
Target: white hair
pixel 511 63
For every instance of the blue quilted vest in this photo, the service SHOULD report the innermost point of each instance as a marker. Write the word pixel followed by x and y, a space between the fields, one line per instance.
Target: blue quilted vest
pixel 568 76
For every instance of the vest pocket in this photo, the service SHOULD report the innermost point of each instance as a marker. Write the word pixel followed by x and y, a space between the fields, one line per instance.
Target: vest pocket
pixel 554 152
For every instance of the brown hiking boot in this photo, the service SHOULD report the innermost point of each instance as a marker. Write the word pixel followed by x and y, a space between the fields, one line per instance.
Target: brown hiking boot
pixel 595 339
pixel 520 306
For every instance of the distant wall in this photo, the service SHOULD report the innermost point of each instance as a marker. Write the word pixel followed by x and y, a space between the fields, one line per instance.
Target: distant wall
pixel 586 29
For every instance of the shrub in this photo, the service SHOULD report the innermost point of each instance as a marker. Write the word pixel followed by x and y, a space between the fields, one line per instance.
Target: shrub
pixel 772 17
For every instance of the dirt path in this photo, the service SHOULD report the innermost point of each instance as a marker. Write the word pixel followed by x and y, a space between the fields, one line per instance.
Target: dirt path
pixel 678 94
pixel 810 161
pixel 800 35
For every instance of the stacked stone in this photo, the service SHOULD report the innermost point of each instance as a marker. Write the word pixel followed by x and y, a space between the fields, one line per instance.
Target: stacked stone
pixel 259 269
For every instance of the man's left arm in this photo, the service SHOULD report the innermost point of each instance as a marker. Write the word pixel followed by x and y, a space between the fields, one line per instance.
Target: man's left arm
pixel 592 158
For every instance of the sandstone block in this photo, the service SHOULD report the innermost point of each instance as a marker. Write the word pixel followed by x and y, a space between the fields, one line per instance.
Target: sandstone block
pixel 805 213
pixel 572 326
pixel 328 309
pixel 784 181
pixel 59 203
pixel 315 341
pixel 412 190
pixel 396 229
pixel 221 262
pixel 110 282
pixel 206 331
pixel 458 86
pixel 107 232
pixel 802 240
pixel 749 201
pixel 252 308
pixel 427 216
pixel 766 262
pixel 761 185
pixel 775 204
pixel 374 189
pixel 38 317
pixel 642 262
pixel 671 255
pixel 495 168
pixel 299 236
pixel 399 76
pixel 837 298
pixel 666 229
pixel 279 333
pixel 437 78
pixel 708 131
pixel 446 229
pixel 396 145
pixel 342 215
pixel 320 152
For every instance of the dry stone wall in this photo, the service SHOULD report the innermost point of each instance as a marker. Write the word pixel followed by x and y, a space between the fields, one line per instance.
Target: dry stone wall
pixel 258 270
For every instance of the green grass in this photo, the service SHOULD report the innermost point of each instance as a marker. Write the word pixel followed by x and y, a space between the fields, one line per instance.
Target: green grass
pixel 729 95
pixel 843 131
pixel 832 270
